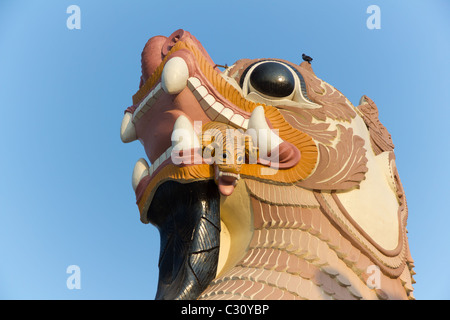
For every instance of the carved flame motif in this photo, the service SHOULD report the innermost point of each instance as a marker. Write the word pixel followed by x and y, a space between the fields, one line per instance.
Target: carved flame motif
pixel 304 200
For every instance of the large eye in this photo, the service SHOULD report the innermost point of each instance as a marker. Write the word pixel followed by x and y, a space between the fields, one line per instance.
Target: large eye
pixel 274 83
pixel 272 79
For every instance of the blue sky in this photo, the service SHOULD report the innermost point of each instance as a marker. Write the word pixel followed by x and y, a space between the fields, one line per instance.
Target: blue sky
pixel 65 176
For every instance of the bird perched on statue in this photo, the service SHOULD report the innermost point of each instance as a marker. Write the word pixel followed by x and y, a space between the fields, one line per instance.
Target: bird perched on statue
pixel 307 58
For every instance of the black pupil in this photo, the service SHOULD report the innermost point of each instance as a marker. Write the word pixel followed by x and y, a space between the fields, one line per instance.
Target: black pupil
pixel 273 79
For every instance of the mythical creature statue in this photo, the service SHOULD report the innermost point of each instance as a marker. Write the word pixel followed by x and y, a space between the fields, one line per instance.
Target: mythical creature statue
pixel 265 181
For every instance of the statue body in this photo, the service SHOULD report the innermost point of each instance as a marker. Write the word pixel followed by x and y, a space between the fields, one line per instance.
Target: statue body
pixel 266 182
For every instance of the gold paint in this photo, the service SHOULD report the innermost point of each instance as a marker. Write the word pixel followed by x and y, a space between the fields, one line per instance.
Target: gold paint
pixel 236 214
pixel 306 145
pixel 172 172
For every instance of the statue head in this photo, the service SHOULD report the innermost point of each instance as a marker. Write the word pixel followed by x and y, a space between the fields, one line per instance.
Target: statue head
pixel 259 146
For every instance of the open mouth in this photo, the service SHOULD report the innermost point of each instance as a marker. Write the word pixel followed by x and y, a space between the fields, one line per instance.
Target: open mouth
pixel 226 181
pixel 188 219
pixel 180 195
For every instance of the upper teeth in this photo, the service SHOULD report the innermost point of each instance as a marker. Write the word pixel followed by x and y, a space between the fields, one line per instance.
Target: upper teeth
pixel 174 75
pixel 147 103
pixel 260 131
pixel 214 109
pixel 127 129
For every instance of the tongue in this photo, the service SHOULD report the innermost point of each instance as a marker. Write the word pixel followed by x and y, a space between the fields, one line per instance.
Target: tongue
pixel 226 185
pixel 226 190
pixel 188 219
